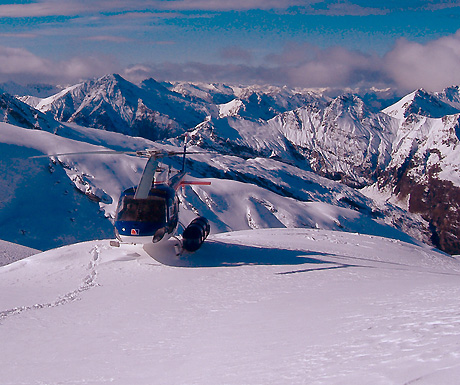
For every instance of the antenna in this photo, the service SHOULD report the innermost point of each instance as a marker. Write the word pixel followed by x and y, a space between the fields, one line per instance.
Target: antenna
pixel 185 152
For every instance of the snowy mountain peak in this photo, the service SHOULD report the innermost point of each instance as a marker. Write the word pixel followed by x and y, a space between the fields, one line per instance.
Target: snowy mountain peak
pixel 350 104
pixel 153 86
pixel 18 113
pixel 451 93
pixel 424 103
pixel 111 103
pixel 231 108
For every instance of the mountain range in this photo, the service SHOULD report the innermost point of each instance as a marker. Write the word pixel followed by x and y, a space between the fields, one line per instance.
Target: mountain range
pixel 399 164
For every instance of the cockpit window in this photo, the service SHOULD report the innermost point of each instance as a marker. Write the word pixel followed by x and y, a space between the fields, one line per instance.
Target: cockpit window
pixel 152 209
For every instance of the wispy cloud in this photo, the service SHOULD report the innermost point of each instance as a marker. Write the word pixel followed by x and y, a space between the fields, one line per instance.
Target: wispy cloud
pixel 136 8
pixel 406 67
pixel 109 38
pixel 23 35
pixel 40 9
pixel 433 65
pixel 20 65
pixel 43 8
pixel 207 73
pixel 223 5
pixel 342 8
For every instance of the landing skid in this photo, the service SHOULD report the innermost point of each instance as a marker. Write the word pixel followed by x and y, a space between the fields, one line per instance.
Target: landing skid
pixel 175 241
pixel 178 246
pixel 115 243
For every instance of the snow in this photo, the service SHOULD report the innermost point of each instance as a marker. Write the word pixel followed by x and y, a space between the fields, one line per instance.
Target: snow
pixel 432 143
pixel 231 108
pixel 273 306
pixel 398 109
pixel 40 206
pixel 223 202
pixel 44 105
pixel 421 102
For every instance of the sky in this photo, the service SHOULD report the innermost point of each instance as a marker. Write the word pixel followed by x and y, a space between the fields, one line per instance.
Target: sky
pixel 398 44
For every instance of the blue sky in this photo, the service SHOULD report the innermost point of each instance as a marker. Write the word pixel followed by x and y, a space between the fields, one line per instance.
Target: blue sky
pixel 306 43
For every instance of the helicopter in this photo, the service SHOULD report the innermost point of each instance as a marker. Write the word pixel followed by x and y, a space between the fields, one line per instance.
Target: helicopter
pixel 149 212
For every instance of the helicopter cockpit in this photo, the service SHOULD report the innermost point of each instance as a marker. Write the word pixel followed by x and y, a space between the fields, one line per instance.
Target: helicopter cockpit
pixel 152 209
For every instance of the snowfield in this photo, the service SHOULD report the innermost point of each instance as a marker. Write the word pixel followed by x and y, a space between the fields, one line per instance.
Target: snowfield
pixel 272 306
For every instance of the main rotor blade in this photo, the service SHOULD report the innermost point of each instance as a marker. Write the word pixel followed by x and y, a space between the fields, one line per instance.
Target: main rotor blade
pixel 169 153
pixel 142 153
pixel 101 152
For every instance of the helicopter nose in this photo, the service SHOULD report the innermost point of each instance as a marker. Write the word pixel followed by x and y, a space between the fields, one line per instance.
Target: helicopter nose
pixel 159 234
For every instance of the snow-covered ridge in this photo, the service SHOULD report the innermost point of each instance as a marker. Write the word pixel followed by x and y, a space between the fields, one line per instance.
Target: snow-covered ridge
pixel 45 104
pixel 287 196
pixel 421 102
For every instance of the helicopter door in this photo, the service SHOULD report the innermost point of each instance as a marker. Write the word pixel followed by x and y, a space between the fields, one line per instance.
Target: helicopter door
pixel 173 214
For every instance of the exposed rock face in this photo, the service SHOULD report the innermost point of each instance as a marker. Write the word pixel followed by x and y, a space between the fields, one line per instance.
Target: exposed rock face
pixel 424 173
pixel 437 201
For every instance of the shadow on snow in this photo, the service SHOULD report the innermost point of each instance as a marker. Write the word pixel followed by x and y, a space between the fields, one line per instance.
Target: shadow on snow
pixel 218 254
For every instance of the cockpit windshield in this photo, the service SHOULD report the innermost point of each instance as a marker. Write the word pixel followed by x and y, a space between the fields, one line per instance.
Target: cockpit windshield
pixel 152 209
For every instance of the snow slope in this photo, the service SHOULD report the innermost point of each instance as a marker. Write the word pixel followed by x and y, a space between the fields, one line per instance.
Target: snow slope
pixel 275 306
pixel 44 203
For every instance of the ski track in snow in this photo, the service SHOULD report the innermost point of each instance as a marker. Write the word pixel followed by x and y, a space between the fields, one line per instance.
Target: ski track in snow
pixel 87 283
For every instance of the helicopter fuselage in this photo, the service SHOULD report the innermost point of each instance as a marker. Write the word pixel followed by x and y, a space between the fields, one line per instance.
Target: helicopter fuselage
pixel 149 219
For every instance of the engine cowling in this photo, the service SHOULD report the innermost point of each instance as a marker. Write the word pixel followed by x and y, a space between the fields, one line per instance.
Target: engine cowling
pixel 195 234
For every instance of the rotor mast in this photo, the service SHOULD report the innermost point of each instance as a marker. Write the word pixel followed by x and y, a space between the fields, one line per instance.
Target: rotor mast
pixel 142 191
